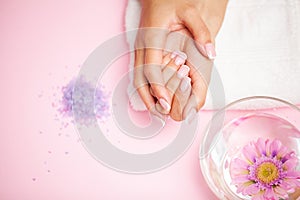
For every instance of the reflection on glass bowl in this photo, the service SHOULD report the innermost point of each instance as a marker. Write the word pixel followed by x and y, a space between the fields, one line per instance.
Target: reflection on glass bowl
pixel 234 126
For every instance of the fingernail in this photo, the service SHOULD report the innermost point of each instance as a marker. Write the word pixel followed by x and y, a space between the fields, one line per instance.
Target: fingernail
pixel 178 53
pixel 174 54
pixel 185 83
pixel 210 50
pixel 165 104
pixel 191 116
pixel 179 61
pixel 183 71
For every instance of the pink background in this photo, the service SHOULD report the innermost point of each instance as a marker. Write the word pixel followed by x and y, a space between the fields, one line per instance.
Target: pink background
pixel 42 44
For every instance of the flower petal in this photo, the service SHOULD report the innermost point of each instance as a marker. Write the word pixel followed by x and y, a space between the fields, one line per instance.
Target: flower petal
pixel 274 147
pixel 268 149
pixel 261 147
pixel 285 186
pixel 240 179
pixel 269 194
pixel 292 182
pixel 241 188
pixel 250 153
pixel 280 192
pixel 259 196
pixel 241 163
pixel 252 189
pixel 238 167
pixel 293 174
pixel 290 164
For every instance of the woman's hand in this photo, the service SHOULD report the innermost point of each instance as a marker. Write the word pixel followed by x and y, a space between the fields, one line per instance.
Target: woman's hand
pixel 201 19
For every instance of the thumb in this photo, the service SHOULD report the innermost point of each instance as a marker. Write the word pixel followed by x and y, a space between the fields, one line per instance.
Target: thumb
pixel 194 23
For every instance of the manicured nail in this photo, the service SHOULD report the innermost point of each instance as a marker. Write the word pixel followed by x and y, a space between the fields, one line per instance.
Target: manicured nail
pixel 185 83
pixel 210 50
pixel 178 53
pixel 165 104
pixel 179 61
pixel 191 116
pixel 183 71
pixel 173 55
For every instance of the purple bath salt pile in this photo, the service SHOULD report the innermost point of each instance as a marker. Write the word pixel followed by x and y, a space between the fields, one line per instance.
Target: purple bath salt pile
pixel 86 104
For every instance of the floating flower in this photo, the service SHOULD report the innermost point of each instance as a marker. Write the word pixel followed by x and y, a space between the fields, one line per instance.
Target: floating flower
pixel 266 171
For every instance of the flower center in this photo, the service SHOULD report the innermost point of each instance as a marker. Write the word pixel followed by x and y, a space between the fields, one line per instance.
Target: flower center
pixel 267 172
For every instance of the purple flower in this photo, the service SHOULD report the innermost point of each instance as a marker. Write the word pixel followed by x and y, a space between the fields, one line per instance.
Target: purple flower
pixel 267 170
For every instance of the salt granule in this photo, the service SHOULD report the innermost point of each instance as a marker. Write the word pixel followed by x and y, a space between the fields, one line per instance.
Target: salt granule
pixel 86 107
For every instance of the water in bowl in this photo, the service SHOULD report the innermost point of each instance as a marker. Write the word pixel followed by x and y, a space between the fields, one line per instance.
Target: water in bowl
pixel 236 134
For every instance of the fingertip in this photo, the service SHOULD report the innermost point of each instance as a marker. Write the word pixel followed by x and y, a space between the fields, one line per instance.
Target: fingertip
pixel 164 104
pixel 191 104
pixel 183 71
pixel 160 109
pixel 210 50
pixel 185 84
pixel 162 94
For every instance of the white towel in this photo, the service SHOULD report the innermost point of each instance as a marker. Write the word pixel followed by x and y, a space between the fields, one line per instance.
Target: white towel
pixel 258 50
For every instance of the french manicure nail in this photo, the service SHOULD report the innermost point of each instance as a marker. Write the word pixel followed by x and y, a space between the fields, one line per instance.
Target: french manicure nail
pixel 179 60
pixel 185 83
pixel 183 71
pixel 174 54
pixel 191 116
pixel 178 53
pixel 165 104
pixel 210 50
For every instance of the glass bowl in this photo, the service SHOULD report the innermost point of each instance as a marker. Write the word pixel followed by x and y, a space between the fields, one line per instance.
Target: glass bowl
pixel 234 126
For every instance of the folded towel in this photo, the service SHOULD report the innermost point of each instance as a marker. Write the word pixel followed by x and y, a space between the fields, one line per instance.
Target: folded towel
pixel 258 50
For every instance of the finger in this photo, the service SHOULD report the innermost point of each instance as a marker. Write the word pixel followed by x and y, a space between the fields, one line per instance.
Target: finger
pixel 140 81
pixel 180 99
pixel 173 84
pixel 172 62
pixel 193 21
pixel 200 73
pixel 175 80
pixel 153 73
pixel 154 40
pixel 175 40
pixel 197 98
pixel 177 58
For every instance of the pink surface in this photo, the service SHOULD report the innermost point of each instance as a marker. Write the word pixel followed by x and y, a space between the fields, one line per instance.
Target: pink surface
pixel 42 43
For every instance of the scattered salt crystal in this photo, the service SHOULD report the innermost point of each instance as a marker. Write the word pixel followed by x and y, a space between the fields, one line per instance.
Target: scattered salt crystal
pixel 89 102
